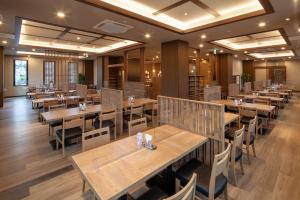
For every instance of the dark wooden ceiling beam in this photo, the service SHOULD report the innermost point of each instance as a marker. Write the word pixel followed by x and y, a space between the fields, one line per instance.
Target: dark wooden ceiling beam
pixel 63 33
pixel 206 8
pixel 172 6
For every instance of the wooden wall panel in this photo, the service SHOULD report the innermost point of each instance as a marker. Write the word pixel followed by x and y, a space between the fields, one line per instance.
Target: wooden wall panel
pixel 1 75
pixel 248 67
pixel 106 71
pixel 224 74
pixel 89 71
pixel 174 67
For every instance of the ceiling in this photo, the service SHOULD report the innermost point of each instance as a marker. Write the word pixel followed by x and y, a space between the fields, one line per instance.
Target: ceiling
pixel 84 17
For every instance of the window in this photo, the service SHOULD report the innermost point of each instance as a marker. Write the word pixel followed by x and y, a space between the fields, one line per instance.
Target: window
pixel 73 72
pixel 49 72
pixel 20 72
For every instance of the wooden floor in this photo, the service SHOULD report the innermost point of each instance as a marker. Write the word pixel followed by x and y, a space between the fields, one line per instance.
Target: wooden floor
pixel 30 169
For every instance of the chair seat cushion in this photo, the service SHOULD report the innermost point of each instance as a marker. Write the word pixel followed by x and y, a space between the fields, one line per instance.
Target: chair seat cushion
pixel 203 177
pixel 70 133
pixel 246 120
pixel 91 116
pixel 238 154
pixel 134 117
pixel 108 123
pixel 149 112
pixel 229 133
pixel 154 193
pixel 56 123
pixel 251 140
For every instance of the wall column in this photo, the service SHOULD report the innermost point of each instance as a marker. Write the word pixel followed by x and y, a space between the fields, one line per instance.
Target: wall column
pixel 1 75
pixel 175 68
pixel 224 74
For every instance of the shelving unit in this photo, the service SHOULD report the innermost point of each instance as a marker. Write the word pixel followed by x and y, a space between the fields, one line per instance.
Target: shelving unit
pixel 115 76
pixel 196 84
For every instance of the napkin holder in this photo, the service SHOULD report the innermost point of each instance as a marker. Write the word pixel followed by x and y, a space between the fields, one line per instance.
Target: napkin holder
pixel 148 142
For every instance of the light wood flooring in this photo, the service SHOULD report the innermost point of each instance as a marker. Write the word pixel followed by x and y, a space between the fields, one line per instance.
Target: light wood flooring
pixel 30 169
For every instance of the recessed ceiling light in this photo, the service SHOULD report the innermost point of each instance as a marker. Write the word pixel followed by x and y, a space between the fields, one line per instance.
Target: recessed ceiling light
pixel 262 24
pixel 156 57
pixel 287 19
pixel 78 38
pixel 282 48
pixel 60 14
pixel 1 22
pixel 201 45
pixel 207 54
pixel 203 36
pixel 4 41
pixel 147 35
pixel 1 19
pixel 235 56
pixel 298 29
pixel 221 51
pixel 33 49
pixel 194 52
pixel 245 52
pixel 185 14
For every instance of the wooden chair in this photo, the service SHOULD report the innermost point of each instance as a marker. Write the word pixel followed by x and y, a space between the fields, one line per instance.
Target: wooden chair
pixel 210 182
pixel 93 139
pixel 185 193
pixel 49 102
pixel 72 128
pixel 109 119
pixel 56 123
pixel 264 116
pixel 150 112
pixel 249 139
pixel 237 152
pixel 246 115
pixel 135 112
pixel 137 125
pixel 71 102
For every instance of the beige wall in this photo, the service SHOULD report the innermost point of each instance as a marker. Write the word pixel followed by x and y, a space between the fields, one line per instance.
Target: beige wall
pixel 293 74
pixel 35 74
pixel 237 68
pixel 260 74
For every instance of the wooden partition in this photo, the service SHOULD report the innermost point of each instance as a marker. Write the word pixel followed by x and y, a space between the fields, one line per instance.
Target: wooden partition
pixel 136 89
pixel 200 117
pixel 269 83
pixel 233 89
pixel 81 90
pixel 258 85
pixel 247 87
pixel 212 93
pixel 114 97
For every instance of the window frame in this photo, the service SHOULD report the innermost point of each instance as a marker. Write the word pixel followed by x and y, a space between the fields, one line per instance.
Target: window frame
pixel 14 73
pixel 44 70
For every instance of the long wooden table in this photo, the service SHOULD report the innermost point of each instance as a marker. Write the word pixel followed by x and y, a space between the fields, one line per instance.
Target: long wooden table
pixel 73 112
pixel 260 107
pixel 138 101
pixel 42 100
pixel 230 117
pixel 114 169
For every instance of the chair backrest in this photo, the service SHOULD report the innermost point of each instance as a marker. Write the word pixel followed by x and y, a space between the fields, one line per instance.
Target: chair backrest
pixel 237 142
pixel 71 122
pixel 247 112
pixel 137 125
pixel 108 115
pixel 220 166
pixel 51 102
pixel 136 110
pixel 95 138
pixel 56 107
pixel 187 192
pixel 251 130
pixel 265 101
pixel 273 94
pixel 71 102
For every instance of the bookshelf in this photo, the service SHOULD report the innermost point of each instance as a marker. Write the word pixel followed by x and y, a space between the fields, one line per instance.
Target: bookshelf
pixel 196 85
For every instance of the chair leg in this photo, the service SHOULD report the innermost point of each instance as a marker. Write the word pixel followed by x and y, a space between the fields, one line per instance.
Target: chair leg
pixel 248 154
pixel 177 185
pixel 253 149
pixel 234 175
pixel 241 165
pixel 63 148
pixel 83 185
pixel 226 193
pixel 56 145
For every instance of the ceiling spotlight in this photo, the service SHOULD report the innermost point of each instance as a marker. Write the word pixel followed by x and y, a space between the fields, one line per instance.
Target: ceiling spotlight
pixel 290 57
pixel 262 24
pixel 235 56
pixel 60 14
pixel 201 45
pixel 78 38
pixel 203 36
pixel 147 35
pixel 221 51
pixel 185 14
pixel 298 29
pixel 194 52
pixel 1 20
pixel 282 48
pixel 245 52
pixel 156 57
pixel 4 42
pixel 287 19
pixel 33 49
pixel 207 54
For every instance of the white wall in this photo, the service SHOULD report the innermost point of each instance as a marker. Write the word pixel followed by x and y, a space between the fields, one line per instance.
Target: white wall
pixel 237 68
pixel 293 73
pixel 260 74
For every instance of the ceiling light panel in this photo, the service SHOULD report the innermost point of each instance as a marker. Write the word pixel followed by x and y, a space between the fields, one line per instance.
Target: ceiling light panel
pixel 271 38
pixel 172 12
pixel 56 37
pixel 276 54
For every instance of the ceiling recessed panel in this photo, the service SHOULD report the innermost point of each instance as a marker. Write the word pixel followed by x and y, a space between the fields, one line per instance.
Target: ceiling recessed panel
pixel 253 41
pixel 186 15
pixel 276 54
pixel 56 37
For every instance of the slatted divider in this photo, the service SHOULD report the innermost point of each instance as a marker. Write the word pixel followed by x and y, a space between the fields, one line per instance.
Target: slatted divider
pixel 199 117
pixel 233 89
pixel 247 87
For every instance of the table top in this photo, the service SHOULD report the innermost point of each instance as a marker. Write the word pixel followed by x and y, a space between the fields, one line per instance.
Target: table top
pixel 72 112
pixel 114 169
pixel 230 117
pixel 139 101
pixel 260 107
pixel 278 99
pixel 280 93
pixel 41 100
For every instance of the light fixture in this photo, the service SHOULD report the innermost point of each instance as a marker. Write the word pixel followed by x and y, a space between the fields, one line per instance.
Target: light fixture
pixel 207 54
pixel 4 42
pixel 287 19
pixel 282 48
pixel 221 51
pixel 274 54
pixel 235 56
pixel 156 57
pixel 78 38
pixel 201 45
pixel 262 24
pixel 185 14
pixel 1 19
pixel 245 52
pixel 203 36
pixel 147 35
pixel 298 29
pixel 33 49
pixel 194 52
pixel 290 57
pixel 60 14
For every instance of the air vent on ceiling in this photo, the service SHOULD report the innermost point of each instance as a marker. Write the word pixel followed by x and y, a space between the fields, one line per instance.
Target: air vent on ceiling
pixel 110 26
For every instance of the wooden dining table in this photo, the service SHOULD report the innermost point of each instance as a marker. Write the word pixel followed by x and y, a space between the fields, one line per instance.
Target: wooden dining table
pixel 230 117
pixel 36 102
pixel 138 101
pixel 256 106
pixel 114 169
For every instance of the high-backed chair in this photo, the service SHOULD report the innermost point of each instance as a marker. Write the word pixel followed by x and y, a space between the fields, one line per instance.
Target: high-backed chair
pixel 211 182
pixel 246 115
pixel 237 152
pixel 150 112
pixel 135 112
pixel 264 116
pixel 249 139
pixel 109 119
pixel 137 125
pixel 94 139
pixel 56 123
pixel 73 127
pixel 71 102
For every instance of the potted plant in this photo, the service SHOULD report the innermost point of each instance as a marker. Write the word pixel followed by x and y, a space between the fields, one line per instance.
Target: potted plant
pixel 246 77
pixel 80 79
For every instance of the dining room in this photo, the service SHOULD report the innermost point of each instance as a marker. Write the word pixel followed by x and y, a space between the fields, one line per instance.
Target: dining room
pixel 149 100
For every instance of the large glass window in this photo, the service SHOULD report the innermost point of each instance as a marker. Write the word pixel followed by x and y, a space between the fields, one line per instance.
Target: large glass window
pixel 49 72
pixel 73 72
pixel 20 72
